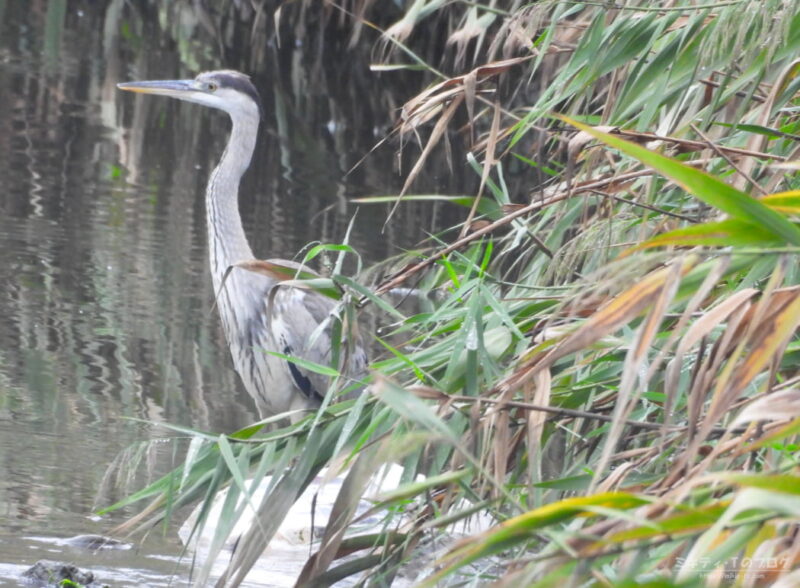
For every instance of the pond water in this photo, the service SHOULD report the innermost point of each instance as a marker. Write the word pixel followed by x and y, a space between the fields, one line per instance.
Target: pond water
pixel 106 319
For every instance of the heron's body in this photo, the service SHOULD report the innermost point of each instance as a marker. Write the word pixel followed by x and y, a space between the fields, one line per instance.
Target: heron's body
pixel 254 317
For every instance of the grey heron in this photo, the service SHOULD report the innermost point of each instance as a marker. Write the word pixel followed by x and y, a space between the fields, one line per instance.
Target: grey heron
pixel 288 321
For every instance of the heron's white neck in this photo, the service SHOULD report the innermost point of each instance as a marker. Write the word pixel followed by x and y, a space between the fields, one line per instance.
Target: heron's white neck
pixel 226 239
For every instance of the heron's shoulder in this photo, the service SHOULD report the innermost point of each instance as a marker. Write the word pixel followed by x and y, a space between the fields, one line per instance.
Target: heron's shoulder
pixel 298 304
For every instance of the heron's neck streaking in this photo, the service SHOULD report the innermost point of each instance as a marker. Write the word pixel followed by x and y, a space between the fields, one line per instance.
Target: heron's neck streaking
pixel 227 241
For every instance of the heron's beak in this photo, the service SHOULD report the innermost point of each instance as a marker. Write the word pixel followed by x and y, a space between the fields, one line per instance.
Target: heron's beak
pixel 174 88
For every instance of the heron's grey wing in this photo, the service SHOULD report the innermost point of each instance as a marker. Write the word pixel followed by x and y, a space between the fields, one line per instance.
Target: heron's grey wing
pixel 295 317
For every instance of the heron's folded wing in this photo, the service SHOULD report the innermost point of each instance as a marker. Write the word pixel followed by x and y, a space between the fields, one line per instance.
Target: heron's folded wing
pixel 300 321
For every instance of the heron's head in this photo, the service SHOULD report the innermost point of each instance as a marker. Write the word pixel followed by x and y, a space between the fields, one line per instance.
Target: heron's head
pixel 227 90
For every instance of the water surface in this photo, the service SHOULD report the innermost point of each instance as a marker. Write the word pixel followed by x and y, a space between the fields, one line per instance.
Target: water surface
pixel 106 320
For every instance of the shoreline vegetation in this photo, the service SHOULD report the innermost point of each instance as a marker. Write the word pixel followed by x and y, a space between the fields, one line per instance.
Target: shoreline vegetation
pixel 601 357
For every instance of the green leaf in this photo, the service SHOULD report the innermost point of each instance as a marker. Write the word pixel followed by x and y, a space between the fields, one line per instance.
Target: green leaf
pixel 412 408
pixel 523 527
pixel 409 491
pixel 692 521
pixel 786 202
pixel 391 199
pixel 325 286
pixel 727 233
pixel 317 249
pixel 305 364
pixel 757 129
pixel 706 187
pixel 485 206
pixel 776 482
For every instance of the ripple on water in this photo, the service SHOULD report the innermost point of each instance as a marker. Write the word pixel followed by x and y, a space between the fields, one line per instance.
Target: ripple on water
pixel 132 567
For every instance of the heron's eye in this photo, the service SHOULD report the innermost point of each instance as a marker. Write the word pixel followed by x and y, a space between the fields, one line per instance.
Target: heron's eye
pixel 211 87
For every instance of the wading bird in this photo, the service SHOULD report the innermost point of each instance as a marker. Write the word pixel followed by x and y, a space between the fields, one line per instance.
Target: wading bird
pixel 290 321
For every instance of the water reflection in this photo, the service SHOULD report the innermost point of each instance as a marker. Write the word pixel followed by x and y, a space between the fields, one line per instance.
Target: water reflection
pixel 105 298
